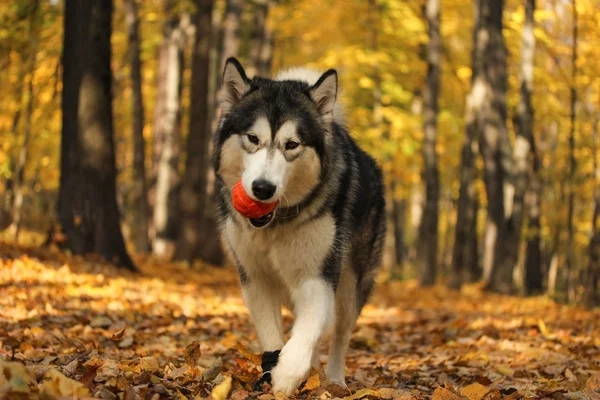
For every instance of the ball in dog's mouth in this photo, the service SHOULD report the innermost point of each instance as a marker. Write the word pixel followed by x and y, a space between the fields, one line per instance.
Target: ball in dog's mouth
pixel 262 221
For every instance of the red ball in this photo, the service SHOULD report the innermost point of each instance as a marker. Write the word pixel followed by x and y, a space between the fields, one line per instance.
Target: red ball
pixel 246 205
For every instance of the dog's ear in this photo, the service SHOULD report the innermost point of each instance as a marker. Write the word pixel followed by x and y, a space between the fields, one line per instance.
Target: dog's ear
pixel 324 93
pixel 235 83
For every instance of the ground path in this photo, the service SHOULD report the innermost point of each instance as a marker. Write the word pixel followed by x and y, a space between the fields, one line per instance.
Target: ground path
pixel 81 327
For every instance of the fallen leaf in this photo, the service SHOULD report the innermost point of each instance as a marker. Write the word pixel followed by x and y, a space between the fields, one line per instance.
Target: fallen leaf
pixel 256 359
pixel 396 394
pixel 570 375
pixel 477 391
pixel 192 353
pixel 221 391
pixel 56 385
pixel 444 394
pixel 149 364
pixel 101 322
pixel 211 374
pixel 116 336
pixel 313 382
pixel 239 395
pixel 127 342
pixel 593 382
pixel 364 393
pixel 70 368
pixel 14 378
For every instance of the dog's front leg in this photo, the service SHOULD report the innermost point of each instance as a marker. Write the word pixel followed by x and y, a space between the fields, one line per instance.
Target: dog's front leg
pixel 264 306
pixel 314 309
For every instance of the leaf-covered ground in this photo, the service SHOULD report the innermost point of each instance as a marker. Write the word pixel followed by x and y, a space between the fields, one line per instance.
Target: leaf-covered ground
pixel 77 328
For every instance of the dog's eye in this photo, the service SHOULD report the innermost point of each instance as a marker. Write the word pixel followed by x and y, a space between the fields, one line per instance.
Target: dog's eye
pixel 253 139
pixel 291 145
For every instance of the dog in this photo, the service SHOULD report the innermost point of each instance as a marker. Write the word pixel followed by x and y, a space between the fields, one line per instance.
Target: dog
pixel 319 251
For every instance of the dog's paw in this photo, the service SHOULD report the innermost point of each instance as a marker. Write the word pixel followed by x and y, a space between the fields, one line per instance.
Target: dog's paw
pixel 293 367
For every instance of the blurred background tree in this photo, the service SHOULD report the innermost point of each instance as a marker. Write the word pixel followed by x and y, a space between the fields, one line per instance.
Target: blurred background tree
pixel 483 114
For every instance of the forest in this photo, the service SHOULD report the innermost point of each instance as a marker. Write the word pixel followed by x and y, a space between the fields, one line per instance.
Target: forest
pixel 484 116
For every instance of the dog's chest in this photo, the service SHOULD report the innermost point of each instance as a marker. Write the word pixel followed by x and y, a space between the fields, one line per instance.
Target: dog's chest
pixel 290 251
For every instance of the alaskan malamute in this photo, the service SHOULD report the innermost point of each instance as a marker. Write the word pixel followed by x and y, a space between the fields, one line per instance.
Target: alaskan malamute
pixel 318 252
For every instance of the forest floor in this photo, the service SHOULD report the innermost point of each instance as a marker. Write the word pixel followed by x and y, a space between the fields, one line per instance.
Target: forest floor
pixel 74 327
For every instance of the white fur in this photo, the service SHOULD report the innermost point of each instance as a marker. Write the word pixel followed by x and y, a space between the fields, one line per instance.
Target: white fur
pixel 283 265
pixel 269 162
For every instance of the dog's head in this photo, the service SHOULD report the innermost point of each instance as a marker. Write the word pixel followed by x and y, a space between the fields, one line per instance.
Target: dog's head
pixel 273 134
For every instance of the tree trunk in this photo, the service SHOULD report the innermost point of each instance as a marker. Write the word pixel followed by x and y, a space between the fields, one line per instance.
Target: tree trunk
pixel 167 136
pixel 87 205
pixel 230 43
pixel 465 260
pixel 533 253
pixel 427 251
pixel 19 181
pixel 490 90
pixel 592 281
pixel 570 269
pixel 398 217
pixel 193 194
pixel 259 11
pixel 525 166
pixel 139 190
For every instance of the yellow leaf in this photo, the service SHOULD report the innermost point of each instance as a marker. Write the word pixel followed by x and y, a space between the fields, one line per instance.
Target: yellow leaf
pixel 149 364
pixel 444 394
pixel 313 382
pixel 364 393
pixel 221 391
pixel 256 359
pixel 14 377
pixel 593 383
pixel 56 385
pixel 476 391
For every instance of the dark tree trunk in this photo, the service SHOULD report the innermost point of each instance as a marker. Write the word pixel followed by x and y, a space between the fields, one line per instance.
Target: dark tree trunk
pixel 398 217
pixel 427 251
pixel 465 259
pixel 87 205
pixel 490 90
pixel 570 268
pixel 259 13
pixel 465 256
pixel 193 194
pixel 526 166
pixel 139 189
pixel 19 181
pixel 261 41
pixel 230 43
pixel 592 278
pixel 167 135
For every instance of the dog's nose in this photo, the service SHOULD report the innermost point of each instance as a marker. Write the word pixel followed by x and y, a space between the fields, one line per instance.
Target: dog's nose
pixel 263 189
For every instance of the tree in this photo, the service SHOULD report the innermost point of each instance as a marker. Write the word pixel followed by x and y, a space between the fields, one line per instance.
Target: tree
pixel 526 164
pixel 167 133
pixel 465 259
pixel 193 195
pixel 139 188
pixel 87 204
pixel 23 152
pixel 489 91
pixel 261 40
pixel 592 278
pixel 427 251
pixel 570 270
